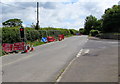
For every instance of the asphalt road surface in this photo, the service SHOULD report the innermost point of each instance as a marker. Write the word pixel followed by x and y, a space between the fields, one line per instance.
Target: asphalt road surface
pixel 44 64
pixel 98 62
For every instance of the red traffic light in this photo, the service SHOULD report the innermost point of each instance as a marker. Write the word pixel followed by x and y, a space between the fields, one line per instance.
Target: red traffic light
pixel 21 29
pixel 22 32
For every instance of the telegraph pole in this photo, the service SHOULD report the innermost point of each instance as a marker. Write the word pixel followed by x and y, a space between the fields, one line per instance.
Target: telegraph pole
pixel 37 24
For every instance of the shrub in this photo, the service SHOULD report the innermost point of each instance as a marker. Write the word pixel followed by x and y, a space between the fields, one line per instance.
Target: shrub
pixel 12 34
pixel 82 31
pixel 94 32
pixel 73 31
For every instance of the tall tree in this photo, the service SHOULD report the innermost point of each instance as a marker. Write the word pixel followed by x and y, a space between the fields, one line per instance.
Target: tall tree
pixel 98 25
pixel 111 19
pixel 12 23
pixel 90 22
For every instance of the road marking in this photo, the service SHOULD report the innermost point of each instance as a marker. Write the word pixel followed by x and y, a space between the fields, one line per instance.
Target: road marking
pixel 78 55
pixel 80 52
pixel 87 51
pixel 60 77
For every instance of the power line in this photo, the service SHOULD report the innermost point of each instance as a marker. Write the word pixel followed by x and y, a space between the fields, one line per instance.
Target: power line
pixel 12 5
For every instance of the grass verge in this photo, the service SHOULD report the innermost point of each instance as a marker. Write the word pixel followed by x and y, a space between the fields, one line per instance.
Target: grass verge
pixel 36 43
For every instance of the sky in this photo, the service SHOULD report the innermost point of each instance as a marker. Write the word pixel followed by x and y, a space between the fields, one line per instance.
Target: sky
pixel 68 14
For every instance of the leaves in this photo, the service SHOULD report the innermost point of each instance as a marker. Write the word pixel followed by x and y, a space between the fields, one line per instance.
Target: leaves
pixel 11 34
pixel 91 22
pixel 111 19
pixel 12 23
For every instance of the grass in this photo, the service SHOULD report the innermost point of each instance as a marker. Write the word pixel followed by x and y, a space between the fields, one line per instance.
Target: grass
pixel 69 35
pixel 36 43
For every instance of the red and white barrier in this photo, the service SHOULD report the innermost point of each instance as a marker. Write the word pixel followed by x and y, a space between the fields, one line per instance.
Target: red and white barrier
pixel 60 37
pixel 21 46
pixel 50 39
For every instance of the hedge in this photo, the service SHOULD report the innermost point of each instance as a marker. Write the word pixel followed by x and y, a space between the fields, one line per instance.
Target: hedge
pixel 94 32
pixel 12 35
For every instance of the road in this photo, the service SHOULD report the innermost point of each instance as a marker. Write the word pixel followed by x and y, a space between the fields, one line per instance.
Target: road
pixel 44 64
pixel 98 62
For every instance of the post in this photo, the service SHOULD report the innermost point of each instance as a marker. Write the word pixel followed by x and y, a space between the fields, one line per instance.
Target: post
pixel 37 24
pixel 22 33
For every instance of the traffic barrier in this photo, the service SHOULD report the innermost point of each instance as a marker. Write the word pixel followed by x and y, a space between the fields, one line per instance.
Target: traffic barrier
pixel 60 37
pixel 50 39
pixel 18 46
pixel 21 46
pixel 7 47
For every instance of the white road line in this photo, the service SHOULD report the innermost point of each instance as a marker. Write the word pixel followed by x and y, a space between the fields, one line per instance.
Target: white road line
pixel 59 78
pixel 87 51
pixel 80 52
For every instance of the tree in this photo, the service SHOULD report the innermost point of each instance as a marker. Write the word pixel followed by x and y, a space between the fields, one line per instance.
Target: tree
pixel 90 22
pixel 12 23
pixel 33 26
pixel 82 31
pixel 98 25
pixel 111 19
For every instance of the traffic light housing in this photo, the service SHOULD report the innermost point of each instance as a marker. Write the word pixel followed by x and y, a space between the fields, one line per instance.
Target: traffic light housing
pixel 22 32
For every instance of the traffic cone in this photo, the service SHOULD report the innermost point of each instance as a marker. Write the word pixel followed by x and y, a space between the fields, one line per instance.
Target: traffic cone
pixel 26 49
pixel 31 49
pixel 60 39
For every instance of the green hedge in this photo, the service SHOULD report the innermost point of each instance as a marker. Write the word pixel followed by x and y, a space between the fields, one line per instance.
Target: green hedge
pixel 12 35
pixel 94 32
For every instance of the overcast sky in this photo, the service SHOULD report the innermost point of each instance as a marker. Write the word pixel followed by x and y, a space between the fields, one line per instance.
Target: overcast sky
pixel 66 14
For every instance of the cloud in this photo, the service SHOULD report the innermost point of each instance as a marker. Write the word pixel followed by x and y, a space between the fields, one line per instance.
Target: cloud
pixel 48 5
pixel 72 15
pixel 35 0
pixel 57 14
pixel 119 3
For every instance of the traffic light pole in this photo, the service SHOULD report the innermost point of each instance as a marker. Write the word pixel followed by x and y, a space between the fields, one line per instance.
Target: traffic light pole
pixel 22 33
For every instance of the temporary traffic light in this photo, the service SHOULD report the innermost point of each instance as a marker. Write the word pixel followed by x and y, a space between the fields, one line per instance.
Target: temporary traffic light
pixel 22 32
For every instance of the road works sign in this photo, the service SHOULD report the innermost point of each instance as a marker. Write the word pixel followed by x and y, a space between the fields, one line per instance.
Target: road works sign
pixel 44 39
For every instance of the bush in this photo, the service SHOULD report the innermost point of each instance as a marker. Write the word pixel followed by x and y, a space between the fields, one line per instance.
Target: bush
pixel 94 32
pixel 12 34
pixel 73 31
pixel 82 31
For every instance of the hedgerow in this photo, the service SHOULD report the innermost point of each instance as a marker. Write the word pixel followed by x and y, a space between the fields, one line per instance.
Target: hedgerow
pixel 12 34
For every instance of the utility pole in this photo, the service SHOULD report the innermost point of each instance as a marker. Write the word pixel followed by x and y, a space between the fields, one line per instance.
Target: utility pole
pixel 37 24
